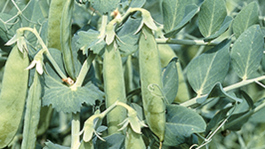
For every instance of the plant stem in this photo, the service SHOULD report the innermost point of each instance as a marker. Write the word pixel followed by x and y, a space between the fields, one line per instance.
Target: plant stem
pixel 102 29
pixel 4 8
pixel 185 42
pixel 84 70
pixel 226 89
pixel 46 51
pixel 75 130
pixel 259 107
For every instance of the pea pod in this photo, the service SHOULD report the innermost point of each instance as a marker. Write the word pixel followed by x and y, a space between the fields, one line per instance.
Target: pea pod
pixel 114 86
pixel 66 36
pixel 134 140
pixel 32 115
pixel 13 95
pixel 150 73
pixel 55 15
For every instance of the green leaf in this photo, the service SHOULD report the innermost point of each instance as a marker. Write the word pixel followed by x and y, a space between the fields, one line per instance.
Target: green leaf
pixel 189 12
pixel 89 40
pixel 247 52
pixel 236 121
pixel 211 67
pixel 211 16
pixel 173 12
pixel 217 119
pixel 247 98
pixel 181 123
pixel 247 17
pixel 217 91
pixel 223 28
pixel 258 117
pixel 66 99
pixel 104 6
pixel 32 115
pixel 127 39
pixel 170 81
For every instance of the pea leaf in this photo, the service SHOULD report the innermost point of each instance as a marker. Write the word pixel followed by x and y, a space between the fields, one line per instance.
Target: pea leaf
pixel 218 91
pixel 68 100
pixel 247 51
pixel 236 121
pixel 211 16
pixel 189 12
pixel 220 115
pixel 170 81
pixel 247 17
pixel 127 39
pixel 89 40
pixel 173 12
pixel 104 6
pixel 211 67
pixel 223 28
pixel 181 123
pixel 258 116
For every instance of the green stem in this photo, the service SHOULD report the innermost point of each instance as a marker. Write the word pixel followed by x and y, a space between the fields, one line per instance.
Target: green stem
pixel 102 29
pixel 185 42
pixel 46 51
pixel 226 89
pixel 259 107
pixel 110 108
pixel 4 8
pixel 125 16
pixel 84 70
pixel 75 142
pixel 54 64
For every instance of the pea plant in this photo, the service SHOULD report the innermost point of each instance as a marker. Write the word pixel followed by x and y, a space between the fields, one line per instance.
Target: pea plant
pixel 133 74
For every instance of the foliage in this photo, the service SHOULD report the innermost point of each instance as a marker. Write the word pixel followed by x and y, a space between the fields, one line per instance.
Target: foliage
pixel 92 74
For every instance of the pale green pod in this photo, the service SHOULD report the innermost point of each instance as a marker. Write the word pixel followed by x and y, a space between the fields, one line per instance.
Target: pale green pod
pixel 55 15
pixel 66 37
pixel 86 145
pixel 133 140
pixel 13 95
pixel 150 73
pixel 114 86
pixel 32 115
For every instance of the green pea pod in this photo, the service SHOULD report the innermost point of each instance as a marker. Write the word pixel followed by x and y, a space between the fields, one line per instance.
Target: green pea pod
pixel 114 86
pixel 55 15
pixel 66 36
pixel 150 73
pixel 32 115
pixel 86 145
pixel 13 95
pixel 134 140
